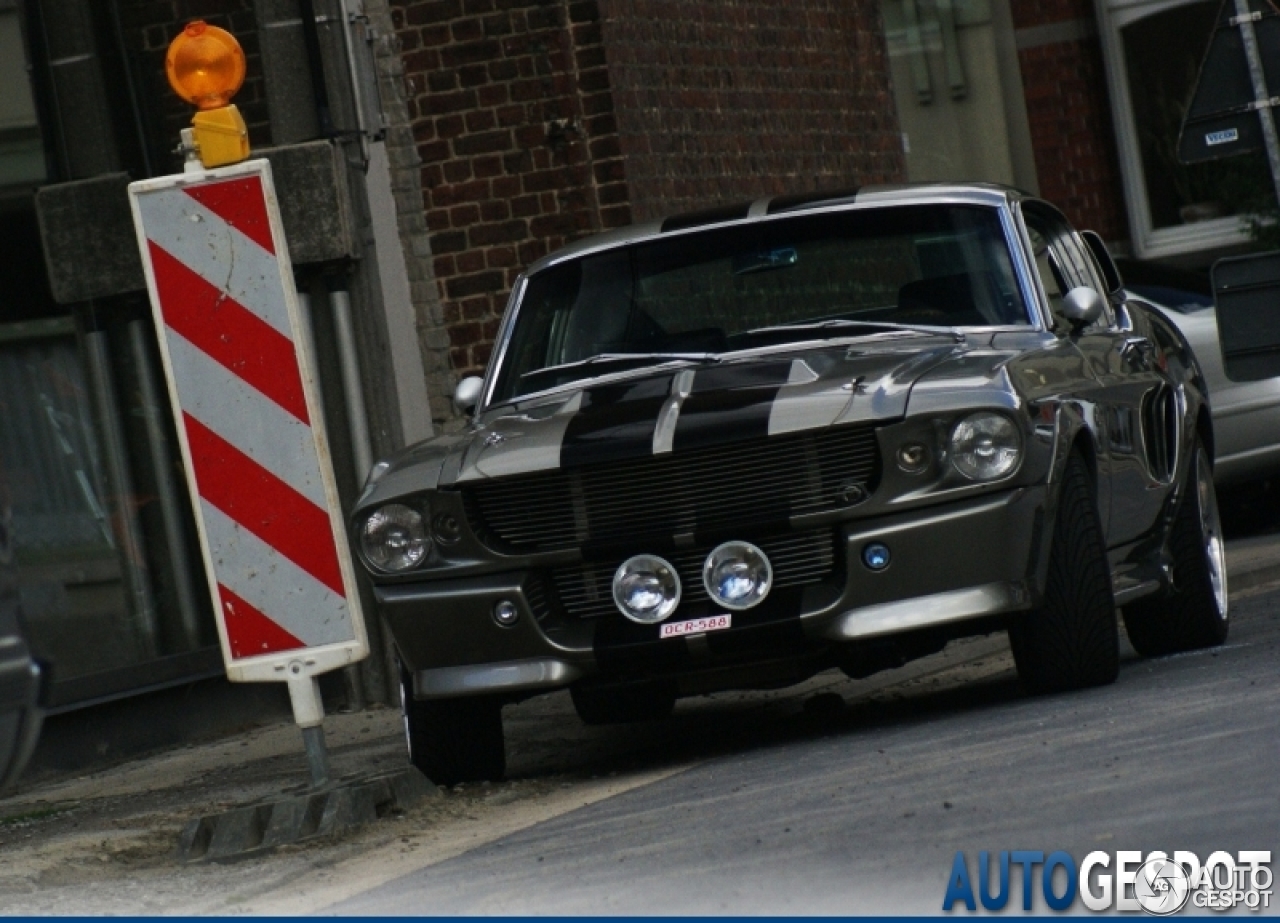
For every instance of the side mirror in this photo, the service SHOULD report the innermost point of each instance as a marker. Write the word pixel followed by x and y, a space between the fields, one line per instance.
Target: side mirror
pixel 1081 307
pixel 467 394
pixel 1110 273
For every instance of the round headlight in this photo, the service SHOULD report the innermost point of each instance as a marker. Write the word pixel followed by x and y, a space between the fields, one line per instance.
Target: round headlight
pixel 646 589
pixel 737 575
pixel 394 538
pixel 985 446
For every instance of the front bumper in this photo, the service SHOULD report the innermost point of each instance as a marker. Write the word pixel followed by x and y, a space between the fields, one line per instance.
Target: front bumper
pixel 950 564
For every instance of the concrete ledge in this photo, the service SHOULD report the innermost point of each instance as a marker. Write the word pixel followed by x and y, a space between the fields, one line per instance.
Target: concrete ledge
pixel 253 829
pixel 1252 562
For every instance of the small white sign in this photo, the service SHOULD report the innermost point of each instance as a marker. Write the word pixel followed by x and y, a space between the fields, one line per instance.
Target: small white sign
pixel 695 626
pixel 1225 136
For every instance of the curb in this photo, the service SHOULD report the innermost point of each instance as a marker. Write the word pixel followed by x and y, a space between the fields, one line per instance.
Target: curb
pixel 254 829
pixel 1252 562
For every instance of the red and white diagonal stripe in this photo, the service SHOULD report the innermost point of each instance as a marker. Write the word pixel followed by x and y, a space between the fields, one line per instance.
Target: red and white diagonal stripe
pixel 252 450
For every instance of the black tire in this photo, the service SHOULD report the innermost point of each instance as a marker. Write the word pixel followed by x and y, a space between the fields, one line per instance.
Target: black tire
pixel 453 740
pixel 1072 640
pixel 623 704
pixel 1195 613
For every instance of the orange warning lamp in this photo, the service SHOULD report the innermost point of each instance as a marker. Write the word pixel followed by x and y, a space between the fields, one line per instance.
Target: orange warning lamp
pixel 205 66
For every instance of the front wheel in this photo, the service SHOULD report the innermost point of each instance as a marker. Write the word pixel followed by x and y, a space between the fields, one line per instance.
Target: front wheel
pixel 1195 614
pixel 1072 640
pixel 453 740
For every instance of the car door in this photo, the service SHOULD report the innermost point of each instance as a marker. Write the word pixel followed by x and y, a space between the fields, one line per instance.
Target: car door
pixel 1137 420
pixel 1133 405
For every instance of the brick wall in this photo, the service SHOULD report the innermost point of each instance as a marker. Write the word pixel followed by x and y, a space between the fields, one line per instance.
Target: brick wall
pixel 509 103
pixel 1069 113
pixel 539 121
pixel 734 99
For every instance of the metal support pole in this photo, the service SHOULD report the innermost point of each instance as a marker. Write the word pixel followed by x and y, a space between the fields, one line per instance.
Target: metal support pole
pixel 317 756
pixel 1261 94
pixel 309 339
pixel 132 547
pixel 358 418
pixel 308 714
pixel 358 426
pixel 155 410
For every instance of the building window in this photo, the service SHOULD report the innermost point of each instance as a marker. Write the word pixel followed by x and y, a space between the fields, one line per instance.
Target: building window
pixel 1153 50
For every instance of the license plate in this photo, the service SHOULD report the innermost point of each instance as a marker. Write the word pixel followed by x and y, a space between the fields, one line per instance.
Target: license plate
pixel 695 626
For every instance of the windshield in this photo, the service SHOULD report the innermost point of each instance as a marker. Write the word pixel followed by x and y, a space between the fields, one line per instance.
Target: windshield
pixel 696 296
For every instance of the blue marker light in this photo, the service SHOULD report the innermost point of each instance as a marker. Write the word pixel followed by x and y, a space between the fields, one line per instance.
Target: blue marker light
pixel 876 556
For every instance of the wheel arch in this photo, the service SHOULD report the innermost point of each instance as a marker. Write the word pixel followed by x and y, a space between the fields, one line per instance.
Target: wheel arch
pixel 1204 429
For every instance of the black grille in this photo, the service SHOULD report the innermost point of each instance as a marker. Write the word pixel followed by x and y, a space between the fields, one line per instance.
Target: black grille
pixel 586 590
pixel 759 483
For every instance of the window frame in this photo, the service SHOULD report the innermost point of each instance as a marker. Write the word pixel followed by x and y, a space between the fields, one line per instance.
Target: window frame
pixel 1148 241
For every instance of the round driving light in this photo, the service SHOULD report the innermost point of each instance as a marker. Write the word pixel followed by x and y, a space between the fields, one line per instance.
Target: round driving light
pixel 505 613
pixel 646 589
pixel 913 457
pixel 876 556
pixel 446 529
pixel 985 446
pixel 394 538
pixel 737 575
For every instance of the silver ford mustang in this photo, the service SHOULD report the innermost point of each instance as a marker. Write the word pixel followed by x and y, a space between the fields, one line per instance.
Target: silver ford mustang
pixel 734 448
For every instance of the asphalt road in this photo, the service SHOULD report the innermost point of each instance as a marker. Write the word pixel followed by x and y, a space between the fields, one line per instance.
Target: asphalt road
pixel 838 805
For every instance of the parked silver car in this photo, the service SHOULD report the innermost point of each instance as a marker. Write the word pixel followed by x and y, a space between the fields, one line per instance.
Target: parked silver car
pixel 1246 414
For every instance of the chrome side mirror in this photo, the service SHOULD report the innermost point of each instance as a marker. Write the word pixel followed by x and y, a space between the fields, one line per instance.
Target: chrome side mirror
pixel 1081 306
pixel 467 394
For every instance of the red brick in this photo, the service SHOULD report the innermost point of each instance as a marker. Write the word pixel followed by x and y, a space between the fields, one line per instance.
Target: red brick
pixel 462 286
pixel 497 233
pixel 471 261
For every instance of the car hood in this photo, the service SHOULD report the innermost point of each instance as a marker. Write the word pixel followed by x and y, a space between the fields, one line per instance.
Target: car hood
pixel 654 411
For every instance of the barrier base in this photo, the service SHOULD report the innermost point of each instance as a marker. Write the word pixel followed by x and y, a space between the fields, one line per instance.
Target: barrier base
pixel 336 809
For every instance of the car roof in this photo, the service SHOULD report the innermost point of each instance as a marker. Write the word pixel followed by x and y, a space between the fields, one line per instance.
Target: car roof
pixel 739 213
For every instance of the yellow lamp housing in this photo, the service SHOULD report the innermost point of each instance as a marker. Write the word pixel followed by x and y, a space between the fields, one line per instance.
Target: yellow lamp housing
pixel 220 136
pixel 206 67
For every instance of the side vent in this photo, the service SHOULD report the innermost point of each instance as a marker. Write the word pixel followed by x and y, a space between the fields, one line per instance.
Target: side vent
pixel 1160 431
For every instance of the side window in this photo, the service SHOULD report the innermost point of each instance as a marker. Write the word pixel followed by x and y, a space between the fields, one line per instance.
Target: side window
pixel 1062 262
pixel 1055 284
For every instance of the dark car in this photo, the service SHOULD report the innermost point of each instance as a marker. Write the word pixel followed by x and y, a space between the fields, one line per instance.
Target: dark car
pixel 20 714
pixel 735 448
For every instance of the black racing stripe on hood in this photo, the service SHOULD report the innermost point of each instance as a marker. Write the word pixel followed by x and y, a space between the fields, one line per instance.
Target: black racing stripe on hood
pixel 730 403
pixel 615 422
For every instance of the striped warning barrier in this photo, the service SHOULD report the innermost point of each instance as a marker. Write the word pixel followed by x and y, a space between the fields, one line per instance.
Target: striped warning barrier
pixel 257 462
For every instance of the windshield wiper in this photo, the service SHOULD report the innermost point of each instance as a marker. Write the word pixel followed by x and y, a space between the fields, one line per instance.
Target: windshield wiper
pixel 846 326
pixel 622 359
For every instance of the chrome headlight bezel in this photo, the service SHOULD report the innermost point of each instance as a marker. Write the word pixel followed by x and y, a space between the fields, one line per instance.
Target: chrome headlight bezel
pixel 394 522
pixel 661 576
pixel 985 447
pixel 748 555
